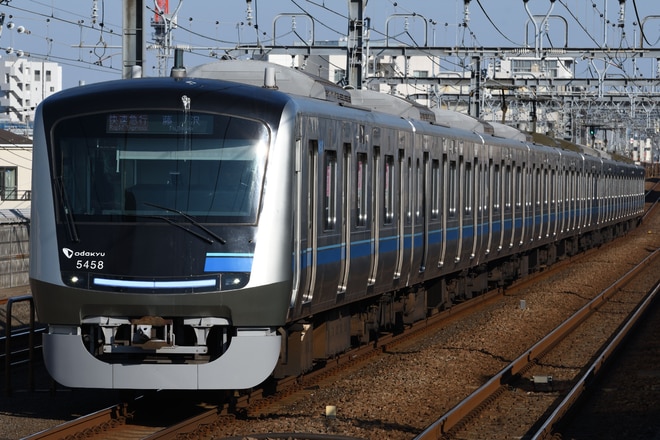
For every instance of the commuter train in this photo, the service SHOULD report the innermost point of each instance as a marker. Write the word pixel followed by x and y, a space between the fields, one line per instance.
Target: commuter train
pixel 245 220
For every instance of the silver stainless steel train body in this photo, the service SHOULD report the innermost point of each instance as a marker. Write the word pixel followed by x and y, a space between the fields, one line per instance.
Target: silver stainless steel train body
pixel 199 233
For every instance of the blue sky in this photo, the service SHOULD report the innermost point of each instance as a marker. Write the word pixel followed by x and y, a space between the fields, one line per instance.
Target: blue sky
pixel 88 44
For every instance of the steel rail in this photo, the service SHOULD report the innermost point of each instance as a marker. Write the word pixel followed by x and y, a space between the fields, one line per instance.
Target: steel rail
pixel 583 383
pixel 468 406
pixel 98 421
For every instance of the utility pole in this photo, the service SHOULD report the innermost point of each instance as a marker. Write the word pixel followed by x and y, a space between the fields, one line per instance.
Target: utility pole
pixel 355 30
pixel 132 38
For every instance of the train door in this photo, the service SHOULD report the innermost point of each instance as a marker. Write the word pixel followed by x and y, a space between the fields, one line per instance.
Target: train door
pixel 389 251
pixel 561 198
pixel 552 224
pixel 444 204
pixel 492 194
pixel 454 213
pixel 469 203
pixel 298 221
pixel 536 200
pixel 460 203
pixel 422 211
pixel 540 201
pixel 579 196
pixel 518 204
pixel 571 200
pixel 346 219
pixel 310 255
pixel 481 211
pixel 305 217
pixel 433 253
pixel 508 203
pixel 501 176
pixel 588 197
pixel 599 194
pixel 526 203
pixel 409 197
pixel 375 214
pixel 401 214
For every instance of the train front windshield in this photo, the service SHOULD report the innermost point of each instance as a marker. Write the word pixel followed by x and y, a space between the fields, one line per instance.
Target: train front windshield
pixel 141 165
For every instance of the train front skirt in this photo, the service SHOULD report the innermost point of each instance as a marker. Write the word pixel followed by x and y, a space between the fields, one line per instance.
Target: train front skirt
pixel 248 361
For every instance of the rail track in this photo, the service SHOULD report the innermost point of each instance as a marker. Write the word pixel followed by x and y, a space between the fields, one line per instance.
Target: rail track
pixel 123 421
pixel 468 417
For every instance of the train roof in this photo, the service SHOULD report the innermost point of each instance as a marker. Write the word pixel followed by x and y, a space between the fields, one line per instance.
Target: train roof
pixel 287 80
pixel 302 83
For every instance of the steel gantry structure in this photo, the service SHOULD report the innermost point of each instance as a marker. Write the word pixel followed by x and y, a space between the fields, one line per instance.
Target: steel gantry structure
pixel 594 110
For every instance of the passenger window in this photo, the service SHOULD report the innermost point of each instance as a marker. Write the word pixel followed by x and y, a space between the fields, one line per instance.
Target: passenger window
pixel 388 202
pixel 361 190
pixel 435 189
pixel 519 191
pixel 330 191
pixel 409 193
pixel 452 187
pixel 469 189
pixel 497 191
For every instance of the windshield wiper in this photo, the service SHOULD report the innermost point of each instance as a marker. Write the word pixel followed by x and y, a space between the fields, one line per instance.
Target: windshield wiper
pixel 191 220
pixel 68 215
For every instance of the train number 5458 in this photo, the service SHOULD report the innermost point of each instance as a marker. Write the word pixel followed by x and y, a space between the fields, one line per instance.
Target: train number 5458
pixel 89 264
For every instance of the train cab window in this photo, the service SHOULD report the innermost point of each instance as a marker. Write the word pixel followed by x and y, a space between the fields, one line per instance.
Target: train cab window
pixel 435 189
pixel 388 190
pixel 330 190
pixel 361 190
pixel 148 164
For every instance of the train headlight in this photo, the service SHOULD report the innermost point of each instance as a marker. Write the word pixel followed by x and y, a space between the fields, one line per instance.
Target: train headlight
pixel 74 279
pixel 235 280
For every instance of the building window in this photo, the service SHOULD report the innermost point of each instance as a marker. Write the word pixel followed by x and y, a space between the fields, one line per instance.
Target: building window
pixel 37 75
pixel 8 187
pixel 48 75
pixel 420 74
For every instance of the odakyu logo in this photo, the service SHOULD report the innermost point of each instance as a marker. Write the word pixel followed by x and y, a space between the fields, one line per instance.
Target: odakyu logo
pixel 69 253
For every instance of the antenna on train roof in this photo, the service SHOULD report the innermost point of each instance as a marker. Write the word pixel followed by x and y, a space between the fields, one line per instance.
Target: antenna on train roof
pixel 178 69
pixel 269 78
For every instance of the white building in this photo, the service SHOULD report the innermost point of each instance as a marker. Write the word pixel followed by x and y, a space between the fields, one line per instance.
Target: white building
pixel 23 85
pixel 15 172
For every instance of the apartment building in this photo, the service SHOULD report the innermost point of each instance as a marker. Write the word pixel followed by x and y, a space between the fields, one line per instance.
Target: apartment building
pixel 23 85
